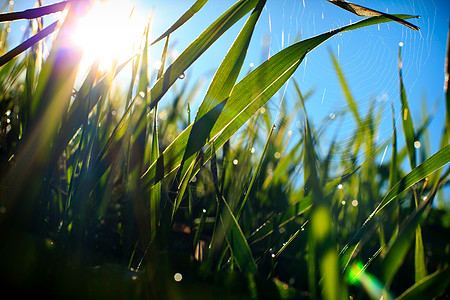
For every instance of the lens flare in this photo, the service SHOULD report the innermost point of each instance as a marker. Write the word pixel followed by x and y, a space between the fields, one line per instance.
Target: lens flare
pixel 110 31
pixel 374 288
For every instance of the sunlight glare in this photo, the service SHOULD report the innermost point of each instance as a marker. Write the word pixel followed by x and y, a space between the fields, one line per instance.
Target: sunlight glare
pixel 110 31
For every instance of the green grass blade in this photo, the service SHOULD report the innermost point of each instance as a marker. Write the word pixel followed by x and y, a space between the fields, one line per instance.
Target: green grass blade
pixel 408 128
pixel 28 43
pixel 255 174
pixel 230 230
pixel 220 87
pixel 183 19
pixel 346 89
pixel 429 287
pixel 198 47
pixel 393 167
pixel 446 134
pixel 420 269
pixel 431 165
pixel 228 71
pixel 247 97
pixel 399 248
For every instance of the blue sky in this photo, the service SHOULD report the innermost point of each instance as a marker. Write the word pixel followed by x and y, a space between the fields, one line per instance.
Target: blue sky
pixel 367 56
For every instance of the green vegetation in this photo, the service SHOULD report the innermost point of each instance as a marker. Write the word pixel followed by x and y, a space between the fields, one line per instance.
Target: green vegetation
pixel 102 197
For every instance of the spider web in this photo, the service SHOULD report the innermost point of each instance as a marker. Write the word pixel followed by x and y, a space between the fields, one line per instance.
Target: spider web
pixel 368 58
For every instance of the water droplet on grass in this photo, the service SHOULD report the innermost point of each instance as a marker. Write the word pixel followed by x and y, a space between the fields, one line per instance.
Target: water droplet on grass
pixel 182 75
pixel 178 277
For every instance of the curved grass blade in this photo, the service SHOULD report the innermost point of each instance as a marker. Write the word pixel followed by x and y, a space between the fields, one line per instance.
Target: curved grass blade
pixel 220 88
pixel 368 12
pixel 247 97
pixel 432 164
pixel 399 248
pixel 198 47
pixel 429 287
pixel 183 19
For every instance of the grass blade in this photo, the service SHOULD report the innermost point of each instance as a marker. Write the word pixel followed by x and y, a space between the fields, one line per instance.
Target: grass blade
pixel 429 287
pixel 408 128
pixel 367 12
pixel 198 47
pixel 247 97
pixel 255 174
pixel 28 43
pixel 183 19
pixel 432 164
pixel 346 89
pixel 33 13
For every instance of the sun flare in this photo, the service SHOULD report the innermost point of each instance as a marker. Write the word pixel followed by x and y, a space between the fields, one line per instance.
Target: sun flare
pixel 111 30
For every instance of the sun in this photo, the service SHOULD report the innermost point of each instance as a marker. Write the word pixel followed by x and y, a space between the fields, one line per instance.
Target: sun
pixel 111 30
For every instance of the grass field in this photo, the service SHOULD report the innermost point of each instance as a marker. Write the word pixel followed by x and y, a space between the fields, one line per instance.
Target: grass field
pixel 106 195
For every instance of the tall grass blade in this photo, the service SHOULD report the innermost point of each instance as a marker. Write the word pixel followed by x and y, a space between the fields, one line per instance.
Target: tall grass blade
pixel 230 230
pixel 446 134
pixel 33 13
pixel 51 100
pixel 255 174
pixel 346 89
pixel 408 128
pixel 183 19
pixel 431 165
pixel 246 98
pixel 429 287
pixel 198 47
pixel 399 248
pixel 28 43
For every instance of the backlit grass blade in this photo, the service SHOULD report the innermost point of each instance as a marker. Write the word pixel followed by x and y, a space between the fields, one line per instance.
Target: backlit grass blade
pixel 346 89
pixel 33 13
pixel 408 128
pixel 28 43
pixel 247 97
pixel 429 287
pixel 221 85
pixel 393 166
pixel 198 47
pixel 446 134
pixel 255 174
pixel 51 100
pixel 183 19
pixel 228 71
pixel 432 164
pixel 230 230
pixel 321 234
pixel 367 12
pixel 398 250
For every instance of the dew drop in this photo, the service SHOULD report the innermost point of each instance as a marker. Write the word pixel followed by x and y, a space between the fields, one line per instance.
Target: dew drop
pixel 182 75
pixel 178 277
